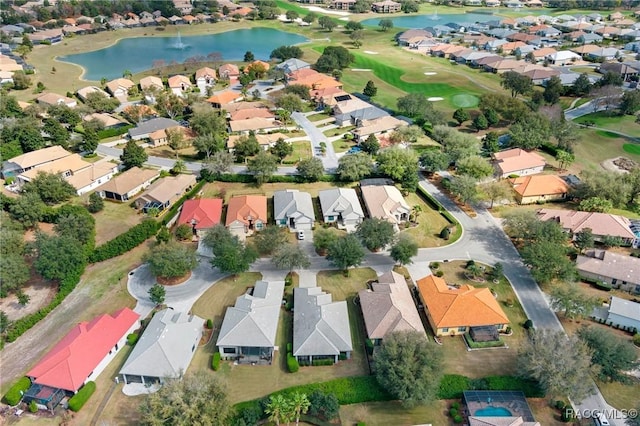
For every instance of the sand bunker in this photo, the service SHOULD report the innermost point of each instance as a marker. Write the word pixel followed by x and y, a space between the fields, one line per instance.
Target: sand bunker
pixel 430 73
pixel 360 69
pixel 328 12
pixel 344 19
pixel 370 52
pixel 435 99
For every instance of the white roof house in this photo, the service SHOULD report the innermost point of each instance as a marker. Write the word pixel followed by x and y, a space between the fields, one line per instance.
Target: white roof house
pixel 341 205
pixel 320 326
pixel 248 331
pixel 294 209
pixel 563 57
pixel 624 314
pixel 165 348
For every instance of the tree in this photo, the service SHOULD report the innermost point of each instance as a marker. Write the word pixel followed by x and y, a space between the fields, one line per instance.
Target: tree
pixel 189 400
pixel 175 140
pixel 460 115
pixel 480 122
pixel 566 134
pixel 219 163
pixel 170 105
pixel 28 209
pixel 323 239
pixel 582 85
pixel 171 260
pixel 133 155
pixel 497 272
pixel 553 89
pixel 310 169
pixel 286 52
pixel 157 294
pixel 309 18
pixel 548 261
pixel 492 116
pixel 354 167
pixel 606 96
pixel 279 409
pixel 370 145
pixel 58 256
pixel 353 26
pixel 595 204
pixel 208 144
pixel 630 102
pixel 490 142
pixel 327 23
pixel 559 363
pixel 21 81
pixel 370 89
pixel 64 114
pixel 324 405
pixel 333 57
pixel 571 301
pixel 14 272
pixel 52 188
pixel 433 160
pixel 530 131
pixel 456 144
pixel 263 166
pixel 281 149
pixel 25 132
pixel 270 239
pixel 247 146
pixel 290 256
pixel 408 367
pixel 410 6
pixel 248 56
pixel 407 134
pixel 290 102
pixel 496 191
pixel 300 405
pixel 375 233
pixel 209 122
pixel 385 24
pixel 345 252
pixel 518 84
pixel 300 90
pixel 610 78
pixel 101 103
pixel 584 239
pixel 76 222
pixel 356 37
pixel 605 185
pixel 404 249
pixel 464 187
pixel 90 141
pixel 612 355
pixel 475 166
pixel 564 158
pixel 233 257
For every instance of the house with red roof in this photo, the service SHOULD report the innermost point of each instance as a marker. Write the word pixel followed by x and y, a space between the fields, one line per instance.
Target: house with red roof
pixel 201 214
pixel 80 356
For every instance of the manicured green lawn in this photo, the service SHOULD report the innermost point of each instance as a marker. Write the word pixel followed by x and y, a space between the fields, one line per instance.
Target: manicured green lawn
pixel 342 145
pixel 394 413
pixel 430 223
pixel 301 151
pixel 318 117
pixel 631 148
pixel 338 131
pixel 621 123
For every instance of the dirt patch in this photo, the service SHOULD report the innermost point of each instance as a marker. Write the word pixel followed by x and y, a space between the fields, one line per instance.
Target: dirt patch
pixel 619 164
pixel 40 292
pixel 47 228
pixel 173 281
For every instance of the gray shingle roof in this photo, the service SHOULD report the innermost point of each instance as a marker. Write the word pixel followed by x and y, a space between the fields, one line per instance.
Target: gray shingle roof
pixel 152 125
pixel 291 203
pixel 624 308
pixel 340 201
pixel 320 326
pixel 253 321
pixel 166 346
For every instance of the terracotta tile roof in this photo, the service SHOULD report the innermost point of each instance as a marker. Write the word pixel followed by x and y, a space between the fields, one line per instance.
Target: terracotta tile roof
pixel 530 186
pixel 599 223
pixel 205 72
pixel 177 81
pixel 225 97
pixel 228 70
pixel 466 306
pixel 205 211
pixel 258 62
pixel 513 160
pixel 241 207
pixel 68 364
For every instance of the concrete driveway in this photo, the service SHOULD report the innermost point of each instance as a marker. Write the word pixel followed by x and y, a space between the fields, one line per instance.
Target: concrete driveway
pixel 329 160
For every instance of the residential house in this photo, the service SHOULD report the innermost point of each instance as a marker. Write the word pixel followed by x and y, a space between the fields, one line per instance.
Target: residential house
pixel 342 4
pixel 539 188
pixel 386 202
pixel 161 136
pixel 619 270
pixel 6 77
pixel 387 306
pixel 109 121
pixel 376 127
pixel 205 77
pixel 453 310
pixel 502 66
pixel 517 161
pixel 165 349
pixel 248 331
pixel 119 88
pixel 247 113
pixel 292 65
pixel 585 49
pixel 221 99
pixel 257 124
pixel 265 140
pixel 603 54
pixel 87 90
pixel 179 84
pixel 601 224
pixel 8 64
pixel 623 314
pixel 150 83
pixel 623 70
pixel 563 57
pixel 32 160
pixel 144 129
pixel 293 209
pixel 246 214
pixel 342 207
pixel 492 3
pixel 386 6
pixel 201 214
pixel 320 326
pixel 590 38
pixel 354 111
pixel 184 6
pixel 79 357
pixel 127 184
pixel 52 36
pixel 162 193
pixel 539 75
pixel 229 72
pixel 50 99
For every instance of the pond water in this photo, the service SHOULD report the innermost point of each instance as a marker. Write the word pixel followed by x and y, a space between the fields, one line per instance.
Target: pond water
pixel 139 53
pixel 422 21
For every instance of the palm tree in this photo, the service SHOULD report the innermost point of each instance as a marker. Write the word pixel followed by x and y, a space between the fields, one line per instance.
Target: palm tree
pixel 278 409
pixel 300 405
pixel 415 211
pixel 126 74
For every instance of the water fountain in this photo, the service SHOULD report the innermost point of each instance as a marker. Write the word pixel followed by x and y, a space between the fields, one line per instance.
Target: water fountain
pixel 179 44
pixel 435 15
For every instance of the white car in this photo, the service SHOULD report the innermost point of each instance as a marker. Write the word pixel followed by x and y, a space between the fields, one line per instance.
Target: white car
pixel 301 235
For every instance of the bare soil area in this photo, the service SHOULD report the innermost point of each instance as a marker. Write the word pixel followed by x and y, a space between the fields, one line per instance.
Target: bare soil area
pixel 618 164
pixel 40 293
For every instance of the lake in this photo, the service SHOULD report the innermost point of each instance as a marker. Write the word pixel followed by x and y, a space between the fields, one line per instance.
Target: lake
pixel 422 21
pixel 139 53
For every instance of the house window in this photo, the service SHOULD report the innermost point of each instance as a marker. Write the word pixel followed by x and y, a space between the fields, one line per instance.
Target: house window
pixel 614 281
pixel 283 221
pixel 229 350
pixel 330 218
pixel 445 330
pixel 462 329
pixel 259 225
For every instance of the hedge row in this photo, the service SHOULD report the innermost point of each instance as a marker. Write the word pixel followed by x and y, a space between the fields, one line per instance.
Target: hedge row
pixel 125 241
pixel 77 401
pixel 173 210
pixel 292 363
pixel 215 361
pixel 452 385
pixel 247 178
pixel 109 133
pixel 14 394
pixel 436 204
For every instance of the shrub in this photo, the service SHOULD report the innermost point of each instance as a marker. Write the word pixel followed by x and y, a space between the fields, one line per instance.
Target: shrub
pixel 456 405
pixel 125 241
pixel 33 407
pixel 452 386
pixel 445 233
pixel 132 338
pixel 636 339
pixel 184 232
pixel 109 133
pixel 321 362
pixel 209 323
pixel 470 263
pixel 530 388
pixel 560 405
pixel 457 419
pixel 439 274
pixel 289 347
pixel 434 265
pixel 215 361
pixel 361 424
pixel 77 401
pixel 453 412
pixel 14 395
pixel 292 363
pixel 528 324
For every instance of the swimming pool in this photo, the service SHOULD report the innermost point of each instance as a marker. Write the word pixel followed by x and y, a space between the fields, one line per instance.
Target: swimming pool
pixel 493 412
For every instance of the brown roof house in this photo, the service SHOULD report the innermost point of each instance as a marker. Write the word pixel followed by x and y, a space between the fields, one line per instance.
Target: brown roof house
pixel 164 192
pixel 386 202
pixel 179 84
pixel 246 214
pixel 619 270
pixel 128 184
pixel 32 160
pixel 119 88
pixel 518 162
pixel 458 310
pixel 388 306
pixel 229 71
pixel 531 189
pixel 601 224
pixel 49 99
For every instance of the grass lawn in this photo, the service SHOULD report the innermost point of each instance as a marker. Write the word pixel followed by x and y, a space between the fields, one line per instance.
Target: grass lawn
pixel 622 123
pixel 319 117
pixel 301 151
pixel 115 219
pixel 338 131
pixel 502 211
pixel 394 413
pixel 342 145
pixel 430 223
pixel 631 148
pixel 186 154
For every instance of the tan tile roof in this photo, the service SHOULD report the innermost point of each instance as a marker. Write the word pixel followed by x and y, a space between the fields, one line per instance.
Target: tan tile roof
pixel 179 80
pixel 107 120
pixel 151 81
pixel 85 91
pixel 89 175
pixel 389 307
pixel 379 125
pixel 73 163
pixel 163 190
pixel 229 70
pixel 530 186
pixel 205 72
pixel 34 158
pixel 252 124
pixel 244 114
pixel 241 207
pixel 263 139
pixel 383 201
pixel 466 306
pixel 516 159
pixel 55 99
pixel 118 83
pixel 129 180
pixel 237 106
pixel 599 223
pixel 611 265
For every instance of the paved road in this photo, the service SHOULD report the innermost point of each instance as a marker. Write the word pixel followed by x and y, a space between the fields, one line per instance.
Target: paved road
pixel 584 109
pixel 329 160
